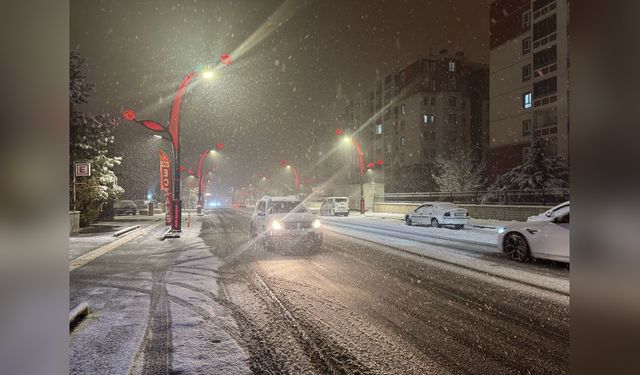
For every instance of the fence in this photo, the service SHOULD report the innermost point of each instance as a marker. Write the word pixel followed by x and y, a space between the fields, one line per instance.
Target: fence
pixel 507 197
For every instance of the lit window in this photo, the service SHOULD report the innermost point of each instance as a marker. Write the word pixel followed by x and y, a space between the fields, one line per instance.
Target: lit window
pixel 379 129
pixel 403 141
pixel 425 119
pixel 403 109
pixel 433 119
pixel 526 100
pixel 452 66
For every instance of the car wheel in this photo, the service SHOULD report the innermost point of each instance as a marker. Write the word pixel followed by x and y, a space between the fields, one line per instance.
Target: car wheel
pixel 408 220
pixel 434 223
pixel 516 247
pixel 459 226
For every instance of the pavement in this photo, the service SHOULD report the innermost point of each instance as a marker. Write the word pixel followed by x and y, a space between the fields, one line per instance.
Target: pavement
pixel 214 301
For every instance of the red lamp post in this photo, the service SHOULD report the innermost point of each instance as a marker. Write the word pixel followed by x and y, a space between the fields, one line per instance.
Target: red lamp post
pixel 355 142
pixel 296 181
pixel 173 133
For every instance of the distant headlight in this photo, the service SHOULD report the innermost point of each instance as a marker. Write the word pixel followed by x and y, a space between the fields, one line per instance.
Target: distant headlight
pixel 316 224
pixel 276 225
pixel 502 230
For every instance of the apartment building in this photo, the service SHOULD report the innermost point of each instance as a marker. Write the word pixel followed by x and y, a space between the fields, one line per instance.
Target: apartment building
pixel 410 116
pixel 528 80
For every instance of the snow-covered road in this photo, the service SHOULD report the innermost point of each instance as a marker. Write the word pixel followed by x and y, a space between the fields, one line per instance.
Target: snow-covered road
pixel 473 248
pixel 380 298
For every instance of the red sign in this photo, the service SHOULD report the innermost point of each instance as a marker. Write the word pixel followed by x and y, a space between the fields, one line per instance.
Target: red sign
pixel 83 169
pixel 165 184
pixel 165 172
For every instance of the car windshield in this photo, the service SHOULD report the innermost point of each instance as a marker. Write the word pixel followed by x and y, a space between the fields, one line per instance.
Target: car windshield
pixel 286 207
pixel 341 200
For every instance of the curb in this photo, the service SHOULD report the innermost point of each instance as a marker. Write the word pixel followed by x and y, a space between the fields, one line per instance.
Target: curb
pixel 77 315
pixel 125 230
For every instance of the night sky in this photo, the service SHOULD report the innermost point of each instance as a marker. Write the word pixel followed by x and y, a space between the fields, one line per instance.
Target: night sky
pixel 303 60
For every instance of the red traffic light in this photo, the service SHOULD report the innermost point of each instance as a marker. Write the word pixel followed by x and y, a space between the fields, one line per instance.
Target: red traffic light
pixel 339 131
pixel 371 165
pixel 129 115
pixel 182 168
pixel 225 58
pixel 220 146
pixel 380 161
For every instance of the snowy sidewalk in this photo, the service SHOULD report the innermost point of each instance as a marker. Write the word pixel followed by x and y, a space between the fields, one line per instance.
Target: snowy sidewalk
pixel 99 234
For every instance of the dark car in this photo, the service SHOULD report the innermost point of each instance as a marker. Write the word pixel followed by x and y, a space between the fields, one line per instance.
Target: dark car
pixel 125 207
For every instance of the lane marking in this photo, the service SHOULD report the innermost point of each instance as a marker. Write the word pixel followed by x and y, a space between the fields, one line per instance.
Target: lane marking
pixel 88 257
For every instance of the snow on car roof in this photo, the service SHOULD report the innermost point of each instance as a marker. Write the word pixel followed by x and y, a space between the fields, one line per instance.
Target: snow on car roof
pixel 289 198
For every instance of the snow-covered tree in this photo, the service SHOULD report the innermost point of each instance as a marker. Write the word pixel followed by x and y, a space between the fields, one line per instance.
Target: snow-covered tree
pixel 88 139
pixel 458 171
pixel 538 171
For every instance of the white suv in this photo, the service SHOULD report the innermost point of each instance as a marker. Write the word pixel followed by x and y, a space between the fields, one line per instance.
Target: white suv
pixel 286 223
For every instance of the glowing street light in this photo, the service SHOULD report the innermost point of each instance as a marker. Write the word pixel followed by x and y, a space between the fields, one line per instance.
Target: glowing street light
pixel 173 132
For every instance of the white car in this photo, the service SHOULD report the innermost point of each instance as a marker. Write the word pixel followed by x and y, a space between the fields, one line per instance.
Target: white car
pixel 284 222
pixel 547 239
pixel 558 210
pixel 438 214
pixel 335 206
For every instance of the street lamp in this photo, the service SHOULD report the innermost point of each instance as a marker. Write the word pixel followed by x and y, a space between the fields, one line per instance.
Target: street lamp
pixel 347 139
pixel 200 175
pixel 173 132
pixel 296 181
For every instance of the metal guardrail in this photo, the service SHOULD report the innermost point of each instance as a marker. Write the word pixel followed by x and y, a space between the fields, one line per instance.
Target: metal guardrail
pixel 508 197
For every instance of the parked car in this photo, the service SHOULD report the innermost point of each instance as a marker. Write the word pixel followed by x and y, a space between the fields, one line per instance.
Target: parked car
pixel 438 214
pixel 284 222
pixel 549 214
pixel 125 207
pixel 548 239
pixel 335 206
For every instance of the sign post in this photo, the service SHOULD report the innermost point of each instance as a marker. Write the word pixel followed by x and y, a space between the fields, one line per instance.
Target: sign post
pixel 80 169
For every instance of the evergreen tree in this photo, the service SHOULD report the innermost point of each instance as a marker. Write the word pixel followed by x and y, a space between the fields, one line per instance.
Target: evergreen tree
pixel 537 172
pixel 88 139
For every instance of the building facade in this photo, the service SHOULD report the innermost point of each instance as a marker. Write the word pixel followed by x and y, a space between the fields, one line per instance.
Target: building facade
pixel 411 116
pixel 528 80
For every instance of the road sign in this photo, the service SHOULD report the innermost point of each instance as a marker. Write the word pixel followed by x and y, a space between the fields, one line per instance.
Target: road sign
pixel 83 169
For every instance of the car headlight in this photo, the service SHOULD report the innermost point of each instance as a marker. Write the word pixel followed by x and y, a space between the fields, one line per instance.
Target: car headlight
pixel 501 230
pixel 276 225
pixel 316 224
